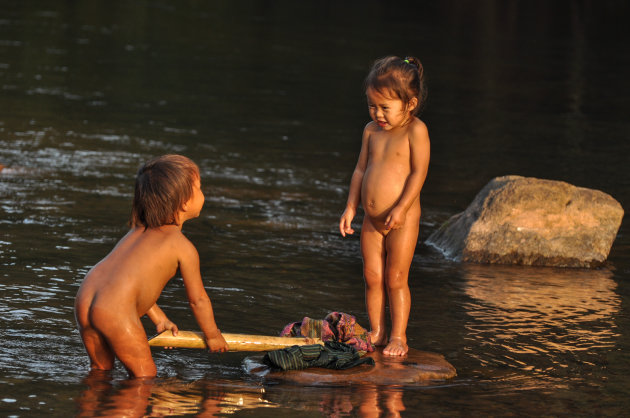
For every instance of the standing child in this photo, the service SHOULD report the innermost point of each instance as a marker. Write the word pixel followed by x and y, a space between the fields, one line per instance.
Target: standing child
pixel 126 284
pixel 387 180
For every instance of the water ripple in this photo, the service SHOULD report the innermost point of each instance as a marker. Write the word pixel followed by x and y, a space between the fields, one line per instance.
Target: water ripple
pixel 539 319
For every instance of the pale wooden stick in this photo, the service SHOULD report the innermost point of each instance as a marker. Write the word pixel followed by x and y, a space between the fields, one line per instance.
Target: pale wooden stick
pixel 236 342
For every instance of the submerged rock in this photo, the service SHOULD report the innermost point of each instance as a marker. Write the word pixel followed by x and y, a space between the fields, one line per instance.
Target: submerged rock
pixel 415 368
pixel 529 221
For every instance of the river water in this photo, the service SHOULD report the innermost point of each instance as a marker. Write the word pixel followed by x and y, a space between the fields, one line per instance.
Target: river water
pixel 267 98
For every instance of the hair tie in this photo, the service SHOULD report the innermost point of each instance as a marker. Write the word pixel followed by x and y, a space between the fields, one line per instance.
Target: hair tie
pixel 407 61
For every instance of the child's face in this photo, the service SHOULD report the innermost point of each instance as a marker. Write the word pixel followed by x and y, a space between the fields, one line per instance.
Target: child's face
pixel 386 110
pixel 195 203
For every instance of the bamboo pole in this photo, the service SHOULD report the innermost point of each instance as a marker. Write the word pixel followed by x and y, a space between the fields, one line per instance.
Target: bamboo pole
pixel 236 342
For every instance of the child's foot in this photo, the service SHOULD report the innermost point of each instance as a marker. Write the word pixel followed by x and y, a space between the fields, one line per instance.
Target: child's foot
pixel 396 347
pixel 376 339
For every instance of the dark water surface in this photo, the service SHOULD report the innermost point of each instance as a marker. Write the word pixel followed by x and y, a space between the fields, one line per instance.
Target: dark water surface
pixel 267 98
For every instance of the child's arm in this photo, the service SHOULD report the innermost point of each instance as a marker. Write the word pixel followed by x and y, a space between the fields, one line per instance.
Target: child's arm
pixel 420 150
pixel 198 297
pixel 162 323
pixel 354 195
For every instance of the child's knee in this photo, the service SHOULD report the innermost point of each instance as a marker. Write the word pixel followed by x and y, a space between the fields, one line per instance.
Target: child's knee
pixel 372 277
pixel 397 279
pixel 144 369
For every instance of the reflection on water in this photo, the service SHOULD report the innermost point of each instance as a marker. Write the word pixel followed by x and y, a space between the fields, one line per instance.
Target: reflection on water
pixel 130 398
pixel 540 320
pixel 168 397
pixel 103 396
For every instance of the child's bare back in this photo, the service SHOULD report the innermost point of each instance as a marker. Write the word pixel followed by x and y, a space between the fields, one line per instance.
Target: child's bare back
pixel 134 273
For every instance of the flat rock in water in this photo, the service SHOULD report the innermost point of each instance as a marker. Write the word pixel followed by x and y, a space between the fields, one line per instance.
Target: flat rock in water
pixel 413 368
pixel 529 221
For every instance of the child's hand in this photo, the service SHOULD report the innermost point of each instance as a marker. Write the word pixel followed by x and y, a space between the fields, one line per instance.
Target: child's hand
pixel 164 325
pixel 167 324
pixel 345 223
pixel 216 343
pixel 396 218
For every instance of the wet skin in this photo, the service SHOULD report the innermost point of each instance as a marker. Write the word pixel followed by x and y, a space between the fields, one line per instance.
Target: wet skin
pixel 126 284
pixel 387 180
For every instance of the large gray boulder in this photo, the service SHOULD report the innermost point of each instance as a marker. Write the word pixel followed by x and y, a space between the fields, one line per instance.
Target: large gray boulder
pixel 529 221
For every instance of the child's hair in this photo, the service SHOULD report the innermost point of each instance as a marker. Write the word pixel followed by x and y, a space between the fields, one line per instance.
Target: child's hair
pixel 163 185
pixel 403 77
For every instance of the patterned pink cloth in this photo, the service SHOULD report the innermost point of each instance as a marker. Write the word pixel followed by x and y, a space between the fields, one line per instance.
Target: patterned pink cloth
pixel 337 326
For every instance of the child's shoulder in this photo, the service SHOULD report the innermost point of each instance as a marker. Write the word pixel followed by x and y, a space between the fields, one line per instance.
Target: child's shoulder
pixel 418 129
pixel 417 124
pixel 371 126
pixel 176 239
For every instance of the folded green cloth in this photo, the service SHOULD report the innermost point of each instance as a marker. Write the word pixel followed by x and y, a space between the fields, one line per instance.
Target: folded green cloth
pixel 332 355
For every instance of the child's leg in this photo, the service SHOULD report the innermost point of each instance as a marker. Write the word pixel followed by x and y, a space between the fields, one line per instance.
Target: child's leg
pixel 373 252
pixel 101 354
pixel 126 337
pixel 99 351
pixel 400 247
pixel 132 349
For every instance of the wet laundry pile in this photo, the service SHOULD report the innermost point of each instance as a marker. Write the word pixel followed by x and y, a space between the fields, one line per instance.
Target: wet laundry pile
pixel 345 344
pixel 336 326
pixel 331 355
